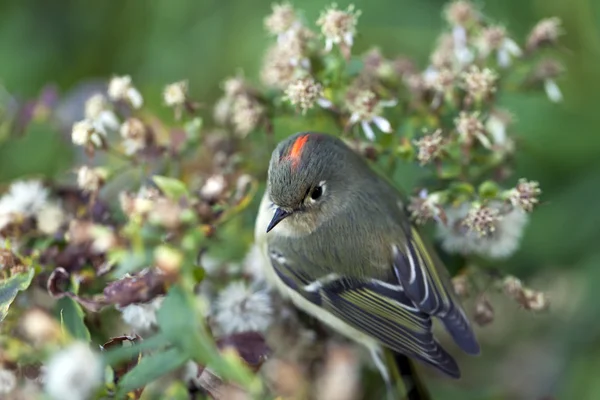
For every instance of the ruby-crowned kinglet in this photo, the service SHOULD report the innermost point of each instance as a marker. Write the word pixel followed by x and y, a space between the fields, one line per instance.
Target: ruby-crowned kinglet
pixel 342 248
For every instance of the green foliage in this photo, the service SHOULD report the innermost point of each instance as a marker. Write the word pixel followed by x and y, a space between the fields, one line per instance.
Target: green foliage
pixel 10 287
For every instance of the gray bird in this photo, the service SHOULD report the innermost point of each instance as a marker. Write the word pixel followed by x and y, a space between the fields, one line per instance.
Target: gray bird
pixel 341 247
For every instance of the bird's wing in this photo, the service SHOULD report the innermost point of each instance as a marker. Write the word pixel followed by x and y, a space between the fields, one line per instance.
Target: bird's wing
pixel 423 281
pixel 377 308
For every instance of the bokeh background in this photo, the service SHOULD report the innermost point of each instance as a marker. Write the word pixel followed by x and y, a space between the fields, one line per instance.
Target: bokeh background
pixel 72 45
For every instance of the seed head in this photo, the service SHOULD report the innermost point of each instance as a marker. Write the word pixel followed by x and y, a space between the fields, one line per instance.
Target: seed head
pixel 281 19
pixel 246 114
pixel 525 194
pixel 430 147
pixel 338 27
pixel 546 32
pixel 482 219
pixel 304 93
pixel 479 83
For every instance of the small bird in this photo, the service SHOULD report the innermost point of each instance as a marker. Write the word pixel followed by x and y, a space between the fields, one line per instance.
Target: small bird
pixel 341 247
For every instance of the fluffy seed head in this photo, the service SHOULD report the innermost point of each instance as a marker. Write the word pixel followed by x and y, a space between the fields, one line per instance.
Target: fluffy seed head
pixel 304 93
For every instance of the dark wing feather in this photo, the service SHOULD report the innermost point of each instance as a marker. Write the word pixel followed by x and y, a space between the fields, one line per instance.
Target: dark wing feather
pixel 425 284
pixel 379 309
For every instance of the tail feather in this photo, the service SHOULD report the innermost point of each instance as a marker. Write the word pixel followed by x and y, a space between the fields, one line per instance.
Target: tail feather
pixel 459 327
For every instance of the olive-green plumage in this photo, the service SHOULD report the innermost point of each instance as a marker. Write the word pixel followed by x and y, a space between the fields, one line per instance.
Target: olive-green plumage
pixel 341 246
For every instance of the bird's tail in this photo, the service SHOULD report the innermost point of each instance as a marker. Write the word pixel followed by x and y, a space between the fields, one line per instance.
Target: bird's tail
pixel 407 381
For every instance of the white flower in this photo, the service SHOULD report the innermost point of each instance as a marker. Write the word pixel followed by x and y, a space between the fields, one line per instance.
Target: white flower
pixel 98 110
pixel 366 109
pixel 23 198
pixel 88 132
pixel 281 19
pixel 175 94
pixel 338 27
pixel 141 317
pixel 501 243
pixel 135 135
pixel 121 88
pixel 304 93
pixel 8 381
pixel 73 373
pixel 495 39
pixel 239 308
pixel 255 264
pixel 552 91
pixel 50 218
pixel 90 179
pixel 213 187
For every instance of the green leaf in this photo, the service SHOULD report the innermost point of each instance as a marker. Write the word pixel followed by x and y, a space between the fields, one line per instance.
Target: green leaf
pixel 120 354
pixel 488 190
pixel 10 287
pixel 449 171
pixel 171 187
pixel 71 316
pixel 150 368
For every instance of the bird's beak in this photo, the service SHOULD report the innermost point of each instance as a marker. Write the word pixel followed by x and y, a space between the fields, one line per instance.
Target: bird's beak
pixel 280 215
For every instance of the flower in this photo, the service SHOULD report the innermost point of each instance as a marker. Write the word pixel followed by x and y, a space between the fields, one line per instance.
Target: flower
pixel 460 13
pixel 121 88
pixel 135 135
pixel 479 83
pixel 524 195
pixel 366 108
pixel 89 134
pixel 278 69
pixel 469 126
pixel 281 19
pixel 8 381
pixel 73 373
pixel 23 198
pixel 424 207
pixel 141 317
pixel 482 220
pixel 213 187
pixel 547 71
pixel 99 111
pixel 430 147
pixel 545 32
pixel 484 312
pixel 90 179
pixel 50 218
pixel 238 308
pixel 247 113
pixel 175 94
pixel 497 124
pixel 495 39
pixel 338 27
pixel 500 241
pixel 304 93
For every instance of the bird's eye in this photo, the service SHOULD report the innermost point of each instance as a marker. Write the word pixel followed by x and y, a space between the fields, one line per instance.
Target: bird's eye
pixel 316 192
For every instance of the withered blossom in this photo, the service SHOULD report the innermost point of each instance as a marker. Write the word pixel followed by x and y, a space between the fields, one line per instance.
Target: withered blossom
pixel 304 93
pixel 338 26
pixel 495 39
pixel 430 147
pixel 525 195
pixel 546 32
pixel 247 114
pixel 99 110
pixel 366 108
pixel 88 134
pixel 425 207
pixel 479 83
pixel 461 285
pixel 90 179
pixel 546 72
pixel 141 287
pixel 482 219
pixel 469 127
pixel 281 19
pixel 278 69
pixel 135 135
pixel 484 312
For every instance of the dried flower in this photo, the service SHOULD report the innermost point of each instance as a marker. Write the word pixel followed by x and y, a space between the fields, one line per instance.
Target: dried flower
pixel 135 135
pixel 50 218
pixel 484 312
pixel 90 179
pixel 495 39
pixel 461 285
pixel 338 27
pixel 469 127
pixel 513 287
pixel 175 94
pixel 482 219
pixel 365 107
pixel 278 69
pixel 239 308
pixel 547 71
pixel 479 83
pixel 142 317
pixel 496 125
pixel 247 114
pixel 73 373
pixel 535 301
pixel 442 81
pixel 8 381
pixel 460 13
pixel 430 147
pixel 546 32
pixel 525 194
pixel 281 19
pixel 87 133
pixel 304 93
pixel 121 88
pixel 425 207
pixel 99 110
pixel 235 86
pixel 456 237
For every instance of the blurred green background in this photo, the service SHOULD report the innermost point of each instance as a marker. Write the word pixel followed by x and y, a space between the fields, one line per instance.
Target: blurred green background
pixel 157 42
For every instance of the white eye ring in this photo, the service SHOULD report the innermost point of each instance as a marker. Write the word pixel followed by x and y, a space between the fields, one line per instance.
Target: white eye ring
pixel 322 185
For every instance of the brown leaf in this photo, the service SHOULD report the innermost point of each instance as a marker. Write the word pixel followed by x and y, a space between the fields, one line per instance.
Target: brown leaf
pixel 122 368
pixel 251 346
pixel 139 288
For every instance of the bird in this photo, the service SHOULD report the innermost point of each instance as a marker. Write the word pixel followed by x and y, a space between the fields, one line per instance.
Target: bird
pixel 341 247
